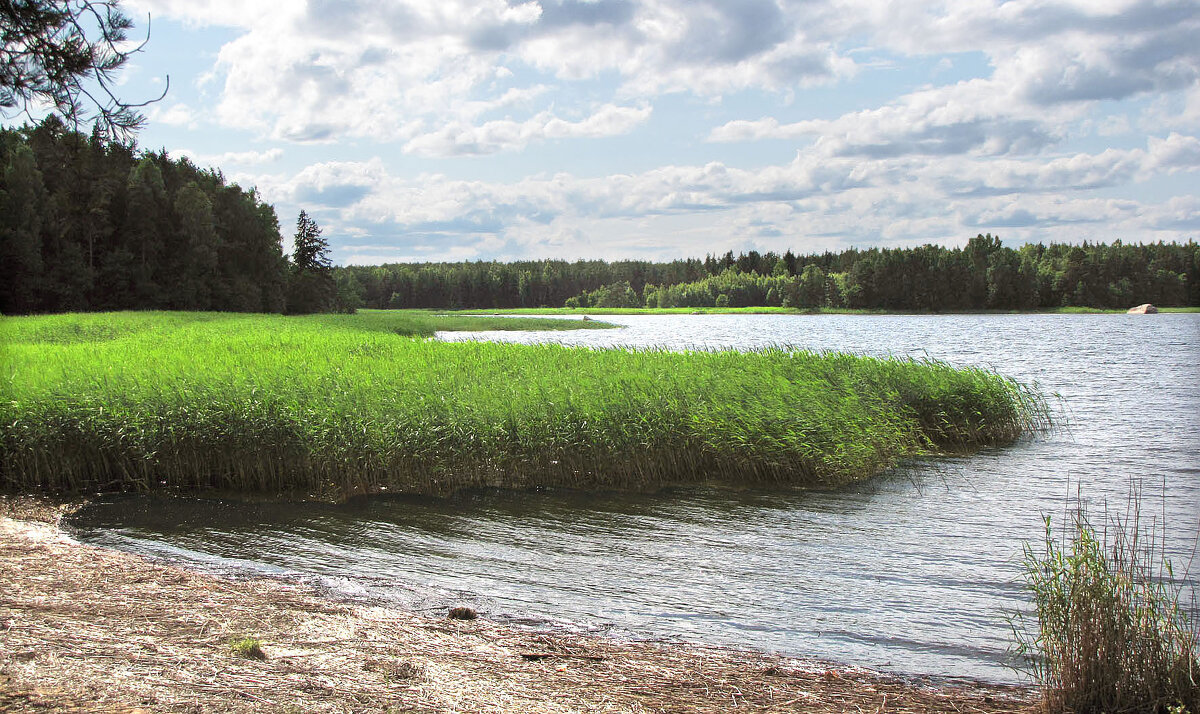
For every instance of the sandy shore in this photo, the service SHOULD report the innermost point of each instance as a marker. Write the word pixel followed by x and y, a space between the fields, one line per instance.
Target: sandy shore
pixel 91 629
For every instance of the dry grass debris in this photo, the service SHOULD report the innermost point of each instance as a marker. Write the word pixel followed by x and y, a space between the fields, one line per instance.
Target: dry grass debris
pixel 85 629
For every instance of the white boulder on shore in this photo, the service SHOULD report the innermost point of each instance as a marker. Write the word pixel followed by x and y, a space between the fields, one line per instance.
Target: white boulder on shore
pixel 1144 309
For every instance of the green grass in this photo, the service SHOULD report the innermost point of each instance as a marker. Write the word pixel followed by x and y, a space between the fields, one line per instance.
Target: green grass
pixel 665 311
pixel 782 311
pixel 330 406
pixel 97 327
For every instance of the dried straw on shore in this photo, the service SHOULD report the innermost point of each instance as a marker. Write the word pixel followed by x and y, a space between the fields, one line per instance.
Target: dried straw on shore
pixel 89 629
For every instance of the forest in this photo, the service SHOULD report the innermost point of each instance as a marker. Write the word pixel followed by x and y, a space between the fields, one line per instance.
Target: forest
pixel 982 275
pixel 88 223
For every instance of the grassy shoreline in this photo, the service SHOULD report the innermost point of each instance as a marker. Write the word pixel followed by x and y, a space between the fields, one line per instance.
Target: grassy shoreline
pixel 777 311
pixel 332 406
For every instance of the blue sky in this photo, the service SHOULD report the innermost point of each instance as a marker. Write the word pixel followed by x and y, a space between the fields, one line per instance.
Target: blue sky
pixel 656 129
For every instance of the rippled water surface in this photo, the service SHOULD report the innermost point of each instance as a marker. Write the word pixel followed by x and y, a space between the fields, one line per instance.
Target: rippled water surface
pixel 914 571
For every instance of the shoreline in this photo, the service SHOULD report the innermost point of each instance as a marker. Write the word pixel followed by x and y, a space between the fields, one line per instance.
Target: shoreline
pixel 800 311
pixel 91 629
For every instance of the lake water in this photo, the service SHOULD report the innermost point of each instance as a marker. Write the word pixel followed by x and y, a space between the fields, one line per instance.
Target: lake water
pixel 914 571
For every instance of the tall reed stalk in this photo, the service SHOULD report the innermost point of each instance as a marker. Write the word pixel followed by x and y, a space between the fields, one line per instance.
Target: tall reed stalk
pixel 1114 631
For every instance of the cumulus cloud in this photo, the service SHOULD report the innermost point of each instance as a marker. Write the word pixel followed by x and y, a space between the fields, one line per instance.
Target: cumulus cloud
pixel 393 71
pixel 459 139
pixel 433 76
pixel 335 183
pixel 814 200
pixel 176 114
pixel 1016 131
pixel 238 158
pixel 976 116
pixel 1173 154
pixel 1052 61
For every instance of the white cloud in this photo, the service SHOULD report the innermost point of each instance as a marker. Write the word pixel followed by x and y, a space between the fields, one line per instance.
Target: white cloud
pixel 765 128
pixel 815 200
pixel 459 139
pixel 176 114
pixel 975 116
pixel 240 158
pixel 394 70
pixel 1028 131
pixel 1052 62
pixel 1173 154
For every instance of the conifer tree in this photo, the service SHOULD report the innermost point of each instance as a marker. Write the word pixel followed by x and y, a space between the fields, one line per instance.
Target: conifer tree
pixel 311 288
pixel 200 248
pixel 22 196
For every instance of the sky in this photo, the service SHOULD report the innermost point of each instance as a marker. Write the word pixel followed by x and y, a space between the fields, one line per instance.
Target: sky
pixel 429 130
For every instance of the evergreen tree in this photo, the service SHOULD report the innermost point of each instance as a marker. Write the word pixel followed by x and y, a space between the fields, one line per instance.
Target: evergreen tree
pixel 22 198
pixel 200 249
pixel 311 288
pixel 144 232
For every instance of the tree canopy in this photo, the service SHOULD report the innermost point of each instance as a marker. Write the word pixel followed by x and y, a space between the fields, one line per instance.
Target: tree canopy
pixel 983 274
pixel 87 224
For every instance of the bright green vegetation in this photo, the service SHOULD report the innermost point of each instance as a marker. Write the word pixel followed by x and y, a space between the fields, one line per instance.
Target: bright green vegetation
pixel 658 311
pixel 333 405
pixel 248 647
pixel 1112 634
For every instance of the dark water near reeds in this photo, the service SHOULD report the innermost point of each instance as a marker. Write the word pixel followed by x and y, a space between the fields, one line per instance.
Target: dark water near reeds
pixel 914 571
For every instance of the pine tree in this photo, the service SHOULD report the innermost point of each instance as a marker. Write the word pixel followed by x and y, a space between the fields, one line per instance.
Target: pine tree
pixel 22 196
pixel 311 288
pixel 198 273
pixel 144 231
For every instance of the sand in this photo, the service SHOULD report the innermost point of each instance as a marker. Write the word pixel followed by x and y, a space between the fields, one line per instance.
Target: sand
pixel 87 629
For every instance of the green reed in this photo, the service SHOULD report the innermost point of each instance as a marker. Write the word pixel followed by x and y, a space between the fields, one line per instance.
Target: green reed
pixel 1111 631
pixel 330 406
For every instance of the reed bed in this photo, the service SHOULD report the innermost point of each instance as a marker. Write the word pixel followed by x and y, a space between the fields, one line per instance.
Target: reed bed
pixel 333 406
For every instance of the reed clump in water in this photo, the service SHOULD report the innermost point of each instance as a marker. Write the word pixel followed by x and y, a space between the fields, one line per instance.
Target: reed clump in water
pixel 331 406
pixel 1111 632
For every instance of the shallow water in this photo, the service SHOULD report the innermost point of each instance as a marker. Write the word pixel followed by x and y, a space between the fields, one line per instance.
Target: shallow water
pixel 914 571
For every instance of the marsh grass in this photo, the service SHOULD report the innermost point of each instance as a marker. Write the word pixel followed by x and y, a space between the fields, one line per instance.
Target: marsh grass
pixel 1112 631
pixel 332 406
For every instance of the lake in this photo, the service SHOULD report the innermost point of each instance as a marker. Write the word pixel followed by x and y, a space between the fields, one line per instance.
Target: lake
pixel 914 571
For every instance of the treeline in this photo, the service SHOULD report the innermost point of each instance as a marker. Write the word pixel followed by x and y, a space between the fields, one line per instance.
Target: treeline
pixel 981 275
pixel 87 224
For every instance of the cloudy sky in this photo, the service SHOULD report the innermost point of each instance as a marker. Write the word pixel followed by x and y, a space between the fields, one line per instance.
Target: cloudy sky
pixel 477 129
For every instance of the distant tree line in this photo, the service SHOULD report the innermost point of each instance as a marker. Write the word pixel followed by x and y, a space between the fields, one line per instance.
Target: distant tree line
pixel 88 223
pixel 981 275
pixel 92 224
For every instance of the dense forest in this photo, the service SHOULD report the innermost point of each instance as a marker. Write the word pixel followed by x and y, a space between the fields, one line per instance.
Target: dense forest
pixel 92 224
pixel 88 223
pixel 982 275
